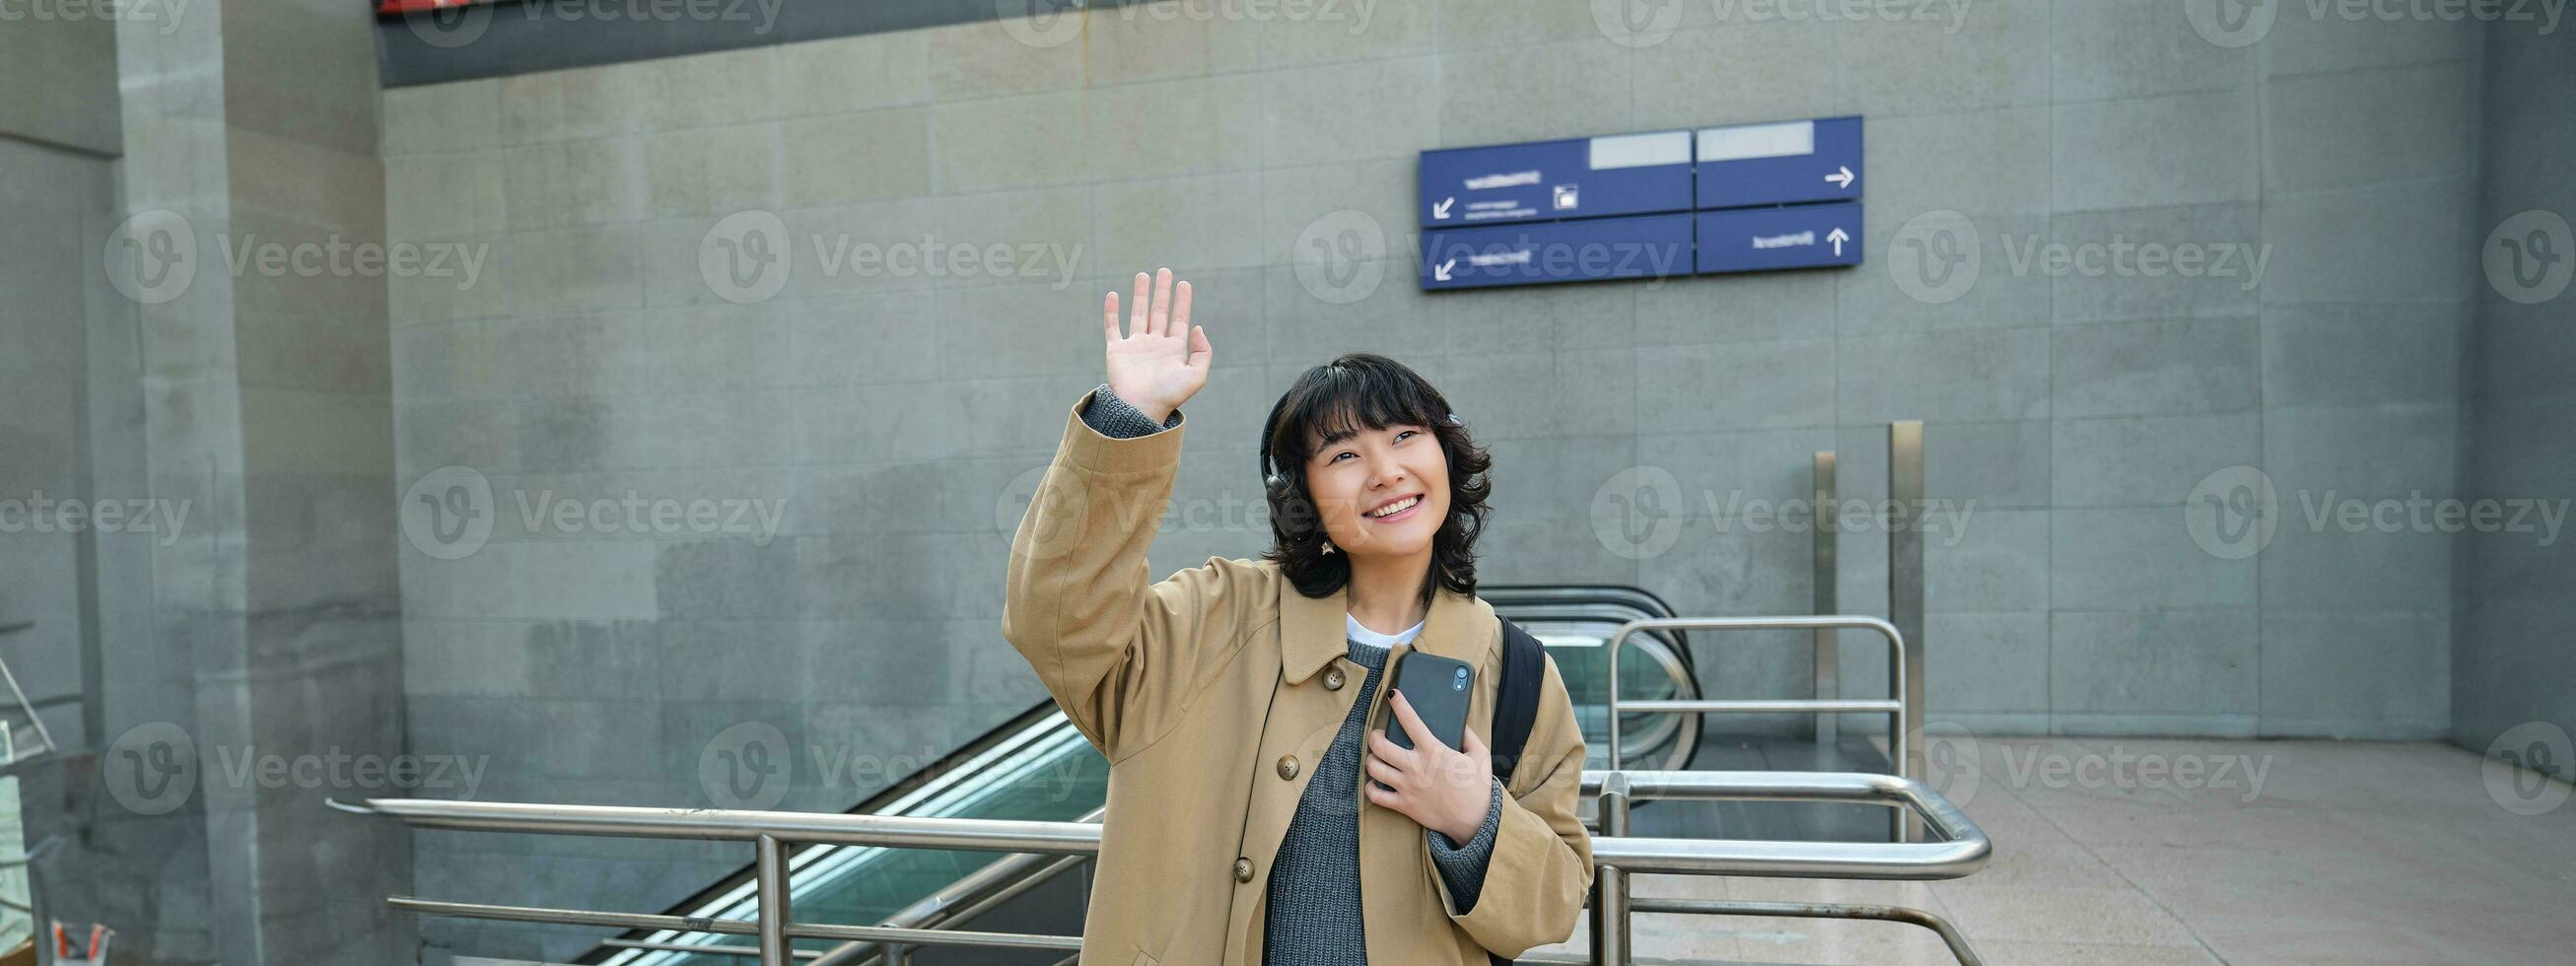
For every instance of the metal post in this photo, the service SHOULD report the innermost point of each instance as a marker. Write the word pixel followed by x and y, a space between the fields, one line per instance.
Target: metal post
pixel 1828 662
pixel 1610 945
pixel 1905 601
pixel 771 881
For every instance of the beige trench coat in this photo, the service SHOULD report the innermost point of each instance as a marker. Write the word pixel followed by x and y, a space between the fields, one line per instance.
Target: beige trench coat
pixel 1214 692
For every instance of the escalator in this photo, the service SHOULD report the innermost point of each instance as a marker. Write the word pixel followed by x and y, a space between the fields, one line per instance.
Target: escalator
pixel 1037 766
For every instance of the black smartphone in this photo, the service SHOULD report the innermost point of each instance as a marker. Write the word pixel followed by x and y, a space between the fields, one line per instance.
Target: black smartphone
pixel 1438 688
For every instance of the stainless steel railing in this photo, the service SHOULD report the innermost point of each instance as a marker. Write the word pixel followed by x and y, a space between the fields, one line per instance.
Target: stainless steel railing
pixel 1963 849
pixel 1904 717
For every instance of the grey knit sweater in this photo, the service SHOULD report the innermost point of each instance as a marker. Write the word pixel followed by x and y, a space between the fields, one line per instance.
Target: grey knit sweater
pixel 1315 912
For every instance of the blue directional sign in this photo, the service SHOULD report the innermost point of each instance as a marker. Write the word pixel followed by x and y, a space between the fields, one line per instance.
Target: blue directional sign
pixel 1763 239
pixel 1640 246
pixel 1742 198
pixel 1627 174
pixel 1779 164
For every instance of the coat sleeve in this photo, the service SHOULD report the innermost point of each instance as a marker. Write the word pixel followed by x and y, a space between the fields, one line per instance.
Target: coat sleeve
pixel 1540 872
pixel 1120 655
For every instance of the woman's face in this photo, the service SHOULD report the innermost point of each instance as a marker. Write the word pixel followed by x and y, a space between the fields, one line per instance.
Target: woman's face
pixel 1382 491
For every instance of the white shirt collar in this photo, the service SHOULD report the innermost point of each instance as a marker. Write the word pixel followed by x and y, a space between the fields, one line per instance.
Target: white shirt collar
pixel 1362 634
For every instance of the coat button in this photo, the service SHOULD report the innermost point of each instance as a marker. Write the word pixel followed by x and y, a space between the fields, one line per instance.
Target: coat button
pixel 1242 868
pixel 1333 679
pixel 1287 766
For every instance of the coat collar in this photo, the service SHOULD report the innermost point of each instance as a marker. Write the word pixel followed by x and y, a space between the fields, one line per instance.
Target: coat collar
pixel 1312 629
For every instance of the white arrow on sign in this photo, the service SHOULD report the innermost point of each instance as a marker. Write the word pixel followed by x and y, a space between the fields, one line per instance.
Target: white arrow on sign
pixel 1441 210
pixel 1838 238
pixel 1440 272
pixel 1841 178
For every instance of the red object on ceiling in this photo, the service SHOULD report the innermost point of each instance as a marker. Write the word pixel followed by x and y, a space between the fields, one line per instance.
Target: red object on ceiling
pixel 390 8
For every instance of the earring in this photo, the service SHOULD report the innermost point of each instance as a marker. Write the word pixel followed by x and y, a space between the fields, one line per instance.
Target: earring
pixel 1328 546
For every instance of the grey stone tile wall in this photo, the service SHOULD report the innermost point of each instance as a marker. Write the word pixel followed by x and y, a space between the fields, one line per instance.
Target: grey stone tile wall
pixel 897 415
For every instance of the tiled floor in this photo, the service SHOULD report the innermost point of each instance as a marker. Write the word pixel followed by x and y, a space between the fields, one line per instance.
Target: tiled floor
pixel 2276 852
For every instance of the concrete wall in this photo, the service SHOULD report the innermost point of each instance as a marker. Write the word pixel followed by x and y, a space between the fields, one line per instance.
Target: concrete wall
pixel 261 625
pixel 898 414
pixel 2510 673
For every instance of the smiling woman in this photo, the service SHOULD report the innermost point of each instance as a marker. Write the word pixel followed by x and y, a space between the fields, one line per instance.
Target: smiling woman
pixel 1243 666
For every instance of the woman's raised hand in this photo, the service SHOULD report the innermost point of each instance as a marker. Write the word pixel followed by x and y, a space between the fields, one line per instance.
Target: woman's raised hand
pixel 1162 360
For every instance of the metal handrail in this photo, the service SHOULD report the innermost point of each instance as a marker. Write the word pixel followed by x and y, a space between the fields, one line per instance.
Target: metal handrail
pixel 1963 851
pixel 1904 717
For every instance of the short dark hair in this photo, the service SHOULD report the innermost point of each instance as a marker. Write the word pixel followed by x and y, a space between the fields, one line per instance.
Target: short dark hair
pixel 1365 390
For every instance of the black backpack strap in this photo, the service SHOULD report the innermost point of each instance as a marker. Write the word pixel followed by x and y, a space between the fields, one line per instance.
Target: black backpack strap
pixel 1516 701
pixel 1515 708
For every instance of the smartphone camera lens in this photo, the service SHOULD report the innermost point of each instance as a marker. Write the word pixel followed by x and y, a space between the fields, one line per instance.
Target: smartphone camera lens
pixel 1458 681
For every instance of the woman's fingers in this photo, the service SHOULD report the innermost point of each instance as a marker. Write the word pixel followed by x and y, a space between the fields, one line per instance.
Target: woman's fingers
pixel 1421 734
pixel 1109 317
pixel 1159 321
pixel 1180 308
pixel 1136 307
pixel 1383 747
pixel 1379 769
